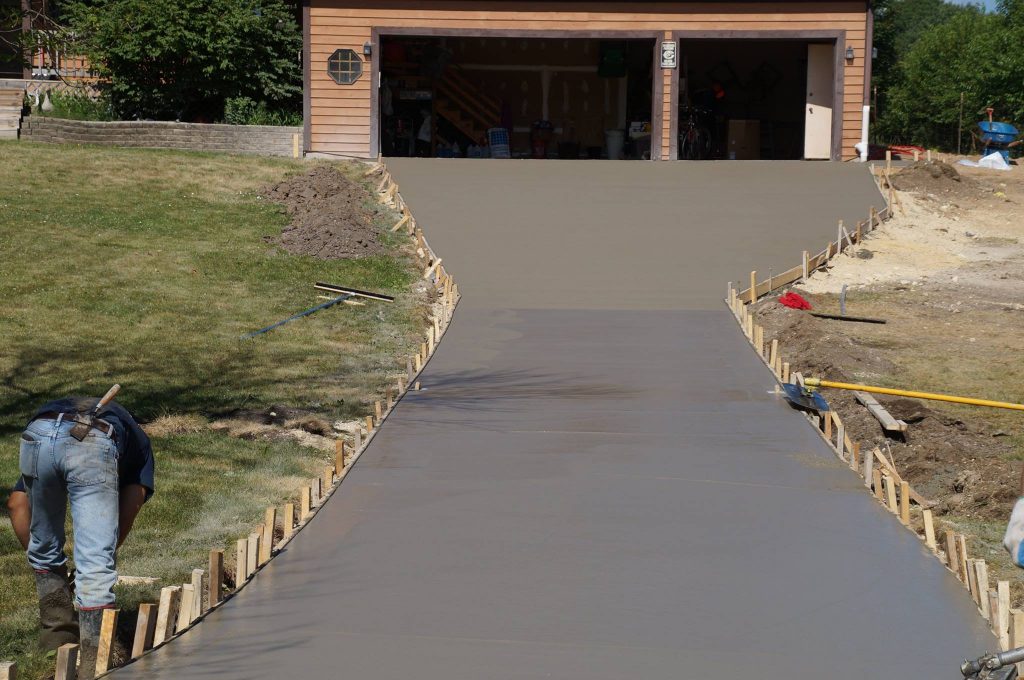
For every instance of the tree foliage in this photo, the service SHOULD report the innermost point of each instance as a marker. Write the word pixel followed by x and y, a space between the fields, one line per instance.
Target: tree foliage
pixel 970 53
pixel 182 59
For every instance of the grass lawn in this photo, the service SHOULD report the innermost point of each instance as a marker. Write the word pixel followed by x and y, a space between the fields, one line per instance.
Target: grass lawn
pixel 144 267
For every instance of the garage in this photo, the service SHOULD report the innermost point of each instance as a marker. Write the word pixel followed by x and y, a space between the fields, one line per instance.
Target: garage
pixel 581 80
pixel 755 99
pixel 516 97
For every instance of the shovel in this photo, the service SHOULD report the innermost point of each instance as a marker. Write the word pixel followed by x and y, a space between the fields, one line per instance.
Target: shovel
pixel 84 423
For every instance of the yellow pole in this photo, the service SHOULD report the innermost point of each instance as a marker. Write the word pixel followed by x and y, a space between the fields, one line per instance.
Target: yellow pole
pixel 818 382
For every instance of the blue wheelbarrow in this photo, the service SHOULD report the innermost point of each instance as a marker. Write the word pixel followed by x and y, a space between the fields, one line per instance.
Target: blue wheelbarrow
pixel 997 137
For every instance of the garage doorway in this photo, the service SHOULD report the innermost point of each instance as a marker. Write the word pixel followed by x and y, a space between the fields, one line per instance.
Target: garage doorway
pixel 517 97
pixel 757 99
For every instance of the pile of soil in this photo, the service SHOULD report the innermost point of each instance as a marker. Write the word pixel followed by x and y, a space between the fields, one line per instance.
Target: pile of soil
pixel 330 217
pixel 960 466
pixel 936 178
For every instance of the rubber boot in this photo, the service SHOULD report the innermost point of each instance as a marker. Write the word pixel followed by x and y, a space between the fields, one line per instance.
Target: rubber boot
pixel 89 622
pixel 58 620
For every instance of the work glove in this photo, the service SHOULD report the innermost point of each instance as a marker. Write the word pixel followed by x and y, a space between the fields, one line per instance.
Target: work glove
pixel 1013 541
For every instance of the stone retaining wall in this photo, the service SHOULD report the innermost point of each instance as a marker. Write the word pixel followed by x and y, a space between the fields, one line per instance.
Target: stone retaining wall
pixel 264 140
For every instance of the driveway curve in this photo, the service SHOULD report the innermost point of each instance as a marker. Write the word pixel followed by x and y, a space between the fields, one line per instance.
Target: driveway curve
pixel 595 482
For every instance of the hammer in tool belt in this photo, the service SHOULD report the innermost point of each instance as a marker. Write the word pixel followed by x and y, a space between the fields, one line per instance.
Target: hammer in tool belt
pixel 84 423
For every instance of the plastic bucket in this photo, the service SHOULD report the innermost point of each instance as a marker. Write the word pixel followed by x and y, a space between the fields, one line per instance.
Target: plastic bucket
pixel 613 143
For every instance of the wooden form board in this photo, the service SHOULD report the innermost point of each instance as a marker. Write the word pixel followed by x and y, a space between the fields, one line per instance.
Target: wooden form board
pixel 342 118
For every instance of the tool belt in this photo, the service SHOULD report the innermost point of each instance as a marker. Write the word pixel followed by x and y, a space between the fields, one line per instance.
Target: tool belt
pixel 96 424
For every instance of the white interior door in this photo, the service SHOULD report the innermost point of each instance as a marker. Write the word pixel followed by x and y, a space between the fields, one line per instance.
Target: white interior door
pixel 820 93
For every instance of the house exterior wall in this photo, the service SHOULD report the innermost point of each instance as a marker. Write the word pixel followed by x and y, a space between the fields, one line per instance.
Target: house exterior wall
pixel 340 118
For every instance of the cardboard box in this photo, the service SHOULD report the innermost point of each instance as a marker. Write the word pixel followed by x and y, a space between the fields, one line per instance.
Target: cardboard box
pixel 744 142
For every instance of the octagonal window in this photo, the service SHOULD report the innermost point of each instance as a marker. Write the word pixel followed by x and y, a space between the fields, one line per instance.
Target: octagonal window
pixel 344 66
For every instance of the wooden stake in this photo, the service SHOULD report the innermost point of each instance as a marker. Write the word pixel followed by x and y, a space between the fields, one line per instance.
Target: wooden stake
pixel 841 440
pixel 993 608
pixel 905 503
pixel 972 582
pixel 408 369
pixel 951 552
pixel 869 469
pixel 806 258
pixel 433 267
pixel 389 399
pixel 981 567
pixel 252 554
pixel 785 371
pixel 1017 632
pixel 369 424
pixel 339 455
pixel 890 494
pixel 328 479
pixel 215 590
pixel 108 627
pixel 1003 597
pixel 418 363
pixel 961 546
pixel 167 614
pixel 304 503
pixel 314 491
pixel 876 480
pixel 267 540
pixel 188 596
pixel 145 629
pixel 753 287
pixel 401 223
pixel 8 670
pixel 378 411
pixel 773 352
pixel 241 562
pixel 67 660
pixel 197 589
pixel 827 417
pixel 855 457
pixel 358 439
pixel 289 519
pixel 929 529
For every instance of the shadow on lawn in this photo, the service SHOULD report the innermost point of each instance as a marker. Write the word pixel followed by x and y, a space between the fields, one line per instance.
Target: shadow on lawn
pixel 168 384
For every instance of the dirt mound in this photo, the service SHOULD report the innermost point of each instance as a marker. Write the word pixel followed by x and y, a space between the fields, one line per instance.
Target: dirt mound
pixel 330 215
pixel 936 178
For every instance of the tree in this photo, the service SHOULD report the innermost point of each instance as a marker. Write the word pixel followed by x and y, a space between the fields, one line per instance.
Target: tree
pixel 182 59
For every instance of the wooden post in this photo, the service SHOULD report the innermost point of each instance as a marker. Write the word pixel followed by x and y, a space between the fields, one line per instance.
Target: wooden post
pixel 1003 597
pixel 197 590
pixel 8 670
pixel 981 567
pixel 314 491
pixel 252 554
pixel 145 629
pixel 993 608
pixel 328 479
pixel 188 596
pixel 378 412
pixel 288 519
pixel 267 540
pixel 773 352
pixel 108 627
pixel 785 371
pixel 929 529
pixel 876 480
pixel 215 590
pixel 961 546
pixel 67 661
pixel 369 424
pixel 408 369
pixel 839 238
pixel 358 439
pixel 1017 632
pixel 339 455
pixel 167 614
pixel 241 562
pixel 389 398
pixel 905 503
pixel 917 155
pixel 972 582
pixel 890 494
pixel 401 387
pixel 295 145
pixel 806 259
pixel 841 440
pixel 855 457
pixel 304 504
pixel 888 160
pixel 423 353
pixel 753 287
pixel 951 551
pixel 869 467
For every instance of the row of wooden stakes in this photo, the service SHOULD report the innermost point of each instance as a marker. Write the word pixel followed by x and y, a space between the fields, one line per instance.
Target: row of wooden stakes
pixel 895 493
pixel 182 606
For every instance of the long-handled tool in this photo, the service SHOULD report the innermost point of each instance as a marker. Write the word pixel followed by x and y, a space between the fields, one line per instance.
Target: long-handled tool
pixel 85 422
pixel 808 398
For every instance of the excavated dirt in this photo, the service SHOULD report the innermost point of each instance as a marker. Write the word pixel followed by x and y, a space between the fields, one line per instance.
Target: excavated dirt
pixel 331 216
pixel 934 177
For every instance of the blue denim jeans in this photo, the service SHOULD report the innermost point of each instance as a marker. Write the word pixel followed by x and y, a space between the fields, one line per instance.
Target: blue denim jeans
pixel 58 468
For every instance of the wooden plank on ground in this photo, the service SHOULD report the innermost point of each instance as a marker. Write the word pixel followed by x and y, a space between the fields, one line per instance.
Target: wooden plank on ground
pixel 888 423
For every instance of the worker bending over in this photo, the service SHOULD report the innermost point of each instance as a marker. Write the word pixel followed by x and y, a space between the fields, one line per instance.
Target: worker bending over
pixel 106 476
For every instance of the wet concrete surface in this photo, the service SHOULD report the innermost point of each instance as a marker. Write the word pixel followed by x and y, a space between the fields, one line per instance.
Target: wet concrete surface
pixel 600 484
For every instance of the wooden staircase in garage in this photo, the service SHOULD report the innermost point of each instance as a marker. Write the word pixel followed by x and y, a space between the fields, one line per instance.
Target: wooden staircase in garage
pixel 11 102
pixel 464 105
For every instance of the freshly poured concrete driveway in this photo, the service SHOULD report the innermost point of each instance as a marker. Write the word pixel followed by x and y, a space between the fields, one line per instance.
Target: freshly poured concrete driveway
pixel 596 483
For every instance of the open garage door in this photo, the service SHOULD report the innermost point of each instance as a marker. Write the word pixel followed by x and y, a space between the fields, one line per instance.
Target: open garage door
pixel 516 97
pixel 748 99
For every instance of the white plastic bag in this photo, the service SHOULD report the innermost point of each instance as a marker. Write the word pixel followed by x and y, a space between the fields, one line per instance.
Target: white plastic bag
pixel 993 161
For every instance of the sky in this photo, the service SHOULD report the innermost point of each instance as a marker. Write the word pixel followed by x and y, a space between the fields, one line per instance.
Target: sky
pixel 989 4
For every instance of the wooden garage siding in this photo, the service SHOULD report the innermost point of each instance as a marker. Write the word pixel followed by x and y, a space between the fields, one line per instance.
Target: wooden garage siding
pixel 340 115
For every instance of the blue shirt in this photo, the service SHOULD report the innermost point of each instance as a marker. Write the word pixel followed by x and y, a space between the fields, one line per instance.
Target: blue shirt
pixel 134 452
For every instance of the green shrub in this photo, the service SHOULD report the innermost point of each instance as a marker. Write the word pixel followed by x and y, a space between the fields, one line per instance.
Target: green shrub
pixel 245 111
pixel 77 106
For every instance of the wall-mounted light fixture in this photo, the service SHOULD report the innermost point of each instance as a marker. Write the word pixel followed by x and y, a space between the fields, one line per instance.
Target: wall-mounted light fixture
pixel 849 54
pixel 367 49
